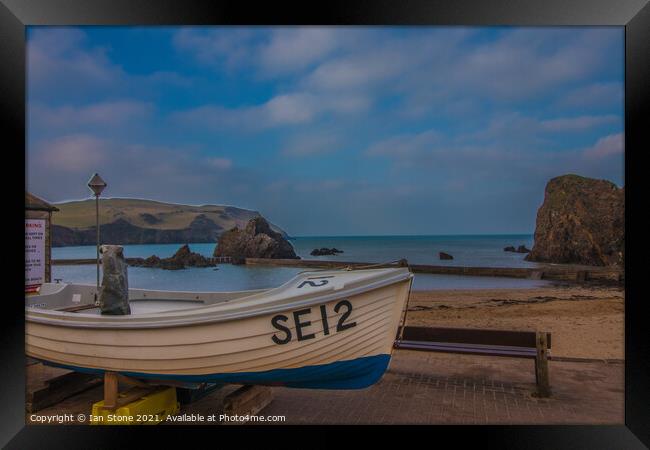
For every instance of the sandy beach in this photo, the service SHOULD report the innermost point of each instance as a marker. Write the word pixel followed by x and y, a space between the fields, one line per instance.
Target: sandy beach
pixel 585 322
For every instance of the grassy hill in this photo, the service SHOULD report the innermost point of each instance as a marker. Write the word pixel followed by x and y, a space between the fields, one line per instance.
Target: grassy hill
pixel 130 221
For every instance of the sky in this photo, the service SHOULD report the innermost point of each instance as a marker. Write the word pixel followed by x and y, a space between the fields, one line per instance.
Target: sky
pixel 328 130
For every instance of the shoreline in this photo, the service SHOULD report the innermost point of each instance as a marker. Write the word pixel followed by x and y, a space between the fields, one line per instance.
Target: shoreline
pixel 585 321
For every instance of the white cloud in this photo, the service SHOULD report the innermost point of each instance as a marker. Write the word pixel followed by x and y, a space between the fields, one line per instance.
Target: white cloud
pixel 72 153
pixel 230 46
pixel 102 113
pixel 291 49
pixel 578 123
pixel 59 168
pixel 526 61
pixel 595 95
pixel 513 130
pixel 341 70
pixel 404 145
pixel 518 65
pixel 352 73
pixel 56 56
pixel 296 108
pixel 317 186
pixel 310 144
pixel 220 163
pixel 62 65
pixel 609 145
pixel 289 109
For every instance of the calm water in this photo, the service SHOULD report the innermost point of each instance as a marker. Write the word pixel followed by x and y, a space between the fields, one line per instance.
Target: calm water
pixel 486 251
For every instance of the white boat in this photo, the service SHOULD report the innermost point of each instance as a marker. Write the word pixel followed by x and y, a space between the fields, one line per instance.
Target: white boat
pixel 322 329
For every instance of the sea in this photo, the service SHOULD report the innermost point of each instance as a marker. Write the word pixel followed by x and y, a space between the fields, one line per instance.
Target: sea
pixel 467 250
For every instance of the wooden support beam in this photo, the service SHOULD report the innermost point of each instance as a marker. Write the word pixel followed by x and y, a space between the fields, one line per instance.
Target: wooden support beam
pixel 541 366
pixel 131 381
pixel 110 390
pixel 114 400
pixel 56 389
pixel 248 400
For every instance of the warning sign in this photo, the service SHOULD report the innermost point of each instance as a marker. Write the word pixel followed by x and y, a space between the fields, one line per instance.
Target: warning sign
pixel 34 254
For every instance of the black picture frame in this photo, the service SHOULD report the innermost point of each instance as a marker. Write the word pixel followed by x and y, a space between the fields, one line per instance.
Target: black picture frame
pixel 634 15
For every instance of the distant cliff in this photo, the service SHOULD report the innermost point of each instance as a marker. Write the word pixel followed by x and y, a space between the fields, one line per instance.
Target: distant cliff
pixel 135 221
pixel 582 221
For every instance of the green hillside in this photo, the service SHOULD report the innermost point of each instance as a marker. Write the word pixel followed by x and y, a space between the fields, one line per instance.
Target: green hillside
pixel 148 214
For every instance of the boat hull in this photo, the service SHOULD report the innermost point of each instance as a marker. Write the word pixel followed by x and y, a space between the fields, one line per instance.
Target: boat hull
pixel 342 343
pixel 350 374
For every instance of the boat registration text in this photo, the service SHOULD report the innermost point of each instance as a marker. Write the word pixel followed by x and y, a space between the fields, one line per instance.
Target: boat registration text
pixel 280 322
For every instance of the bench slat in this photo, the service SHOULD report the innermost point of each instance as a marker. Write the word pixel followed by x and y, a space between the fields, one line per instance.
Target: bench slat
pixel 525 339
pixel 476 349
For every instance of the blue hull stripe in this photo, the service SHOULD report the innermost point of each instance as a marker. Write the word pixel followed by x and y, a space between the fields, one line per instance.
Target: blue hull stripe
pixel 354 374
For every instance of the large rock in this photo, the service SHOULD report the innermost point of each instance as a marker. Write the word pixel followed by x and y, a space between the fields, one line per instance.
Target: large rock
pixel 582 221
pixel 182 258
pixel 114 293
pixel 256 240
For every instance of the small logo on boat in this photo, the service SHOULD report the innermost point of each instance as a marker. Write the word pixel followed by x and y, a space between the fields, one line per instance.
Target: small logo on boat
pixel 313 283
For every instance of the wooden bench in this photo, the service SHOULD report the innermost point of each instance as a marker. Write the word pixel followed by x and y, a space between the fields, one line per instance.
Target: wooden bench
pixel 514 344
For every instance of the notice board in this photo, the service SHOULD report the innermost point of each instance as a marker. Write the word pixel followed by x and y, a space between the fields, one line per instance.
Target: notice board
pixel 34 254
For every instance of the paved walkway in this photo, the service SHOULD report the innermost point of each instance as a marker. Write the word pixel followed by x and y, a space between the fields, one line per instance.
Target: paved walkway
pixel 436 388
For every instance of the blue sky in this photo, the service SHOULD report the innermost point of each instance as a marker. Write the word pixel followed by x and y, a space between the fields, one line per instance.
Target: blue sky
pixel 328 130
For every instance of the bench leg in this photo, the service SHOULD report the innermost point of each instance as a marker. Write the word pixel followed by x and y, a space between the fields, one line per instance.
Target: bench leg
pixel 541 366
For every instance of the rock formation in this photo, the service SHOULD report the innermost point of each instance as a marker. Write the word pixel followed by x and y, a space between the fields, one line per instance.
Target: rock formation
pixel 114 293
pixel 445 256
pixel 182 258
pixel 520 249
pixel 256 240
pixel 580 222
pixel 325 251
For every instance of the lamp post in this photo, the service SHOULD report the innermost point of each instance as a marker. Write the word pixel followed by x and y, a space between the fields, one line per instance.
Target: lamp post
pixel 97 185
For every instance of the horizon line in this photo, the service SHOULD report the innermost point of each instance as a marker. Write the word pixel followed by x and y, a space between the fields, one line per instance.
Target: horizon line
pixel 410 235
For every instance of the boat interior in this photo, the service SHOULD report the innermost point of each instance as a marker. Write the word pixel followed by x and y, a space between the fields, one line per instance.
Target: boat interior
pixel 81 298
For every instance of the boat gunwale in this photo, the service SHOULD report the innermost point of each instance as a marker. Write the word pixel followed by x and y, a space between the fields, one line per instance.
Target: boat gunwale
pixel 163 319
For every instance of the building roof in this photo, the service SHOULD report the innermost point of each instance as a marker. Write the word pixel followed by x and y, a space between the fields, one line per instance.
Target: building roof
pixel 33 203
